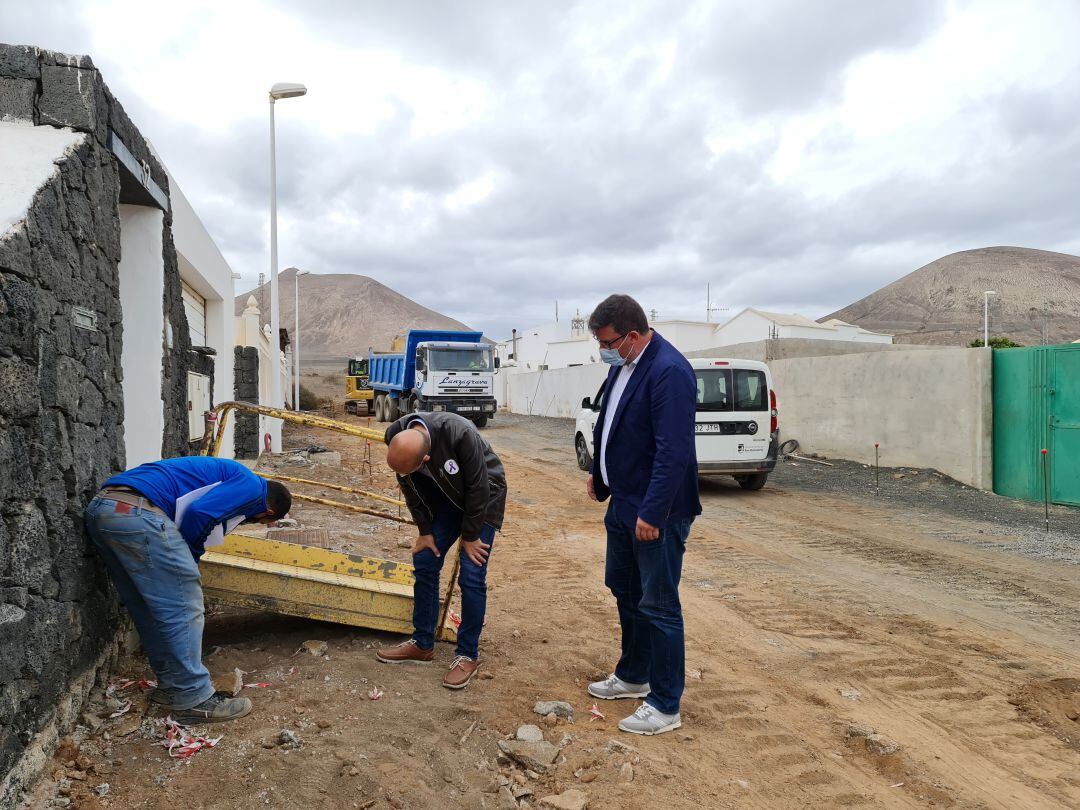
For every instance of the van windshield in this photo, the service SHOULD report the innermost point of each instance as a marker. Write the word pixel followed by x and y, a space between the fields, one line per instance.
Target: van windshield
pixel 713 389
pixel 751 392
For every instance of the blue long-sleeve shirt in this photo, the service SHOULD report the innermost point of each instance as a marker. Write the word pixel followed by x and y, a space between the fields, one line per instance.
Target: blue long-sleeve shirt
pixel 239 492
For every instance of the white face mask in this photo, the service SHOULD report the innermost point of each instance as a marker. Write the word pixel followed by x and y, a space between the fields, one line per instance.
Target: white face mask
pixel 612 357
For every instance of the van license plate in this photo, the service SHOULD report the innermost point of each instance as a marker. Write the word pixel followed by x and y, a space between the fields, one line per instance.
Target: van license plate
pixel 469 408
pixel 707 427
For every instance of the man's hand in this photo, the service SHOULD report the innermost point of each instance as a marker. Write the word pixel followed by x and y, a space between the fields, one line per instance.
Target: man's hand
pixel 476 550
pixel 589 488
pixel 645 532
pixel 425 541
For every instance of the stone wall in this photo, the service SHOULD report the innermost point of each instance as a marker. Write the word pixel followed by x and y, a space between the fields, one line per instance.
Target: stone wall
pixel 246 389
pixel 61 401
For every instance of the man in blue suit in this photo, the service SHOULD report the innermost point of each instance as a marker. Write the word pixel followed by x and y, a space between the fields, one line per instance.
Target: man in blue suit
pixel 647 467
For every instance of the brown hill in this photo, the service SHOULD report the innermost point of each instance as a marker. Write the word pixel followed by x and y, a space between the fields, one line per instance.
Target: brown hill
pixel 341 315
pixel 1037 301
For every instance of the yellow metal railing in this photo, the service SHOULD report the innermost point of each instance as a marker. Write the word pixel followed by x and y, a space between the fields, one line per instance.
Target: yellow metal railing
pixel 334 586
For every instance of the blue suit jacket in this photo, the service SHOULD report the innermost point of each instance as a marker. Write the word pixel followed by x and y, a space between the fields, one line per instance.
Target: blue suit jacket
pixel 651 461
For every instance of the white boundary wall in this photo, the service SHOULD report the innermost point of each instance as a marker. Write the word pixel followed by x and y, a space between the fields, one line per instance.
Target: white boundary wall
pixel 556 392
pixel 927 408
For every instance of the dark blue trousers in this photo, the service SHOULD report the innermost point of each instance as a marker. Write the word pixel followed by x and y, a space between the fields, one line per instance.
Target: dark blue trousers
pixel 472 578
pixel 644 577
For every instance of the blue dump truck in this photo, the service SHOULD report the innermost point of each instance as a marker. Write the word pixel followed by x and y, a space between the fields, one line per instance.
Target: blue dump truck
pixel 436 370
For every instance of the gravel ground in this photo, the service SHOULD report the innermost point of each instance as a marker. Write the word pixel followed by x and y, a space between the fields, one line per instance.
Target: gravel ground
pixel 930 491
pixel 921 490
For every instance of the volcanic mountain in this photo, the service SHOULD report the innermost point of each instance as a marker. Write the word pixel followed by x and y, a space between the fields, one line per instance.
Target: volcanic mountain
pixel 1037 300
pixel 342 315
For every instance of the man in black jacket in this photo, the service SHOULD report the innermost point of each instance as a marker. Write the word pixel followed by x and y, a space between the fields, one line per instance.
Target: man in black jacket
pixel 454 486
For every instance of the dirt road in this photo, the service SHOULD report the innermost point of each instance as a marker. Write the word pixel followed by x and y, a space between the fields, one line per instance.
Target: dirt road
pixel 812 620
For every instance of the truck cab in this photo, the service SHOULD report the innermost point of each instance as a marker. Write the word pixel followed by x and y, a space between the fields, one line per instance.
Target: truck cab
pixel 456 377
pixel 436 371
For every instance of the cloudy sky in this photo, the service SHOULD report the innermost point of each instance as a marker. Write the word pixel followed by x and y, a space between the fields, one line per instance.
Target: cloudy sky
pixel 487 158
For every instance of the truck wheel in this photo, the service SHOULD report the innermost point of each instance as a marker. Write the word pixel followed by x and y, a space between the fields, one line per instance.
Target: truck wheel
pixel 380 416
pixel 581 450
pixel 752 482
pixel 393 410
pixel 480 421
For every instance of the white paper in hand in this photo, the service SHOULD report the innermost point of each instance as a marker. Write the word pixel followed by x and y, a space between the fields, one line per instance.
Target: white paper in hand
pixel 217 534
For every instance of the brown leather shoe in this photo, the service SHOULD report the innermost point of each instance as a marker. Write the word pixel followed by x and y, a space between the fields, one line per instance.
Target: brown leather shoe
pixel 405 653
pixel 460 673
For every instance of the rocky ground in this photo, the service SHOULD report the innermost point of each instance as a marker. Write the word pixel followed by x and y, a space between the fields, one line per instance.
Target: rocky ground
pixel 846 647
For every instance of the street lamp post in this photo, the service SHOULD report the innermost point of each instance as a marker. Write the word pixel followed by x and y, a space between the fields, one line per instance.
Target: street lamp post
pixel 296 340
pixel 278 91
pixel 986 317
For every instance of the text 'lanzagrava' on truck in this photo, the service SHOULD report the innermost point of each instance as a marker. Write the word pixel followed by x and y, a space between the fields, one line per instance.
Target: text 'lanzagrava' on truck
pixel 437 371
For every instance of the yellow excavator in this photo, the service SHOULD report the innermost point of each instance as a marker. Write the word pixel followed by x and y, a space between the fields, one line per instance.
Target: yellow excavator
pixel 358 393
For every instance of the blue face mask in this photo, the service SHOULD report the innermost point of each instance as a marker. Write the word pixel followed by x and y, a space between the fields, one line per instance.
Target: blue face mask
pixel 612 357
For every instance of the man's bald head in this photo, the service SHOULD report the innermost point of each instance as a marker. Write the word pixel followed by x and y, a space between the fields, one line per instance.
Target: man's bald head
pixel 408 450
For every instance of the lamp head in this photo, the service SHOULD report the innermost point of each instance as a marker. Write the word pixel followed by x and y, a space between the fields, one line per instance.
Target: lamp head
pixel 287 90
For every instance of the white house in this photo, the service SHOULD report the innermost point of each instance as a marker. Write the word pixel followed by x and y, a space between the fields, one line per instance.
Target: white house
pixel 569 343
pixel 207 282
pixel 752 325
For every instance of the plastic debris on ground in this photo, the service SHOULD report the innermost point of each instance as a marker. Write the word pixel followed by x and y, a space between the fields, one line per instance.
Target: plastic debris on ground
pixel 121 686
pixel 375 693
pixel 595 713
pixel 125 707
pixel 455 619
pixel 182 743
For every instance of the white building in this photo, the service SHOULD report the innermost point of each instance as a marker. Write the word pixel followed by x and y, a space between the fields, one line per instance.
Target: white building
pixel 752 325
pixel 569 343
pixel 207 282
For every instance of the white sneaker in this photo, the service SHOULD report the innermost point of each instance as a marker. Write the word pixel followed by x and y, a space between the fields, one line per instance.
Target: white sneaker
pixel 615 687
pixel 648 721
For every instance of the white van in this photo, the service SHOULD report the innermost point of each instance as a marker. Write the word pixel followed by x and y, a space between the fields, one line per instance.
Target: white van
pixel 736 425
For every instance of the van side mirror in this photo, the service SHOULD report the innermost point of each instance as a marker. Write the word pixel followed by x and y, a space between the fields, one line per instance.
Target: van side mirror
pixel 586 403
pixel 497 361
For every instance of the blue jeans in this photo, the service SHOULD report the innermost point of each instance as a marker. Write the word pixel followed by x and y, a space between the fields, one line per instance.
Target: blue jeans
pixel 644 577
pixel 472 578
pixel 158 582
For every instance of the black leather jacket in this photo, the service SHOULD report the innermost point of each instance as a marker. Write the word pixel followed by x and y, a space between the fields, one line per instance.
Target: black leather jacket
pixel 464 467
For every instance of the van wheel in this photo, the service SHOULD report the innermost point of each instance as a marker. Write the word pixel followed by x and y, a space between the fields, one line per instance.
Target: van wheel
pixel 752 482
pixel 480 421
pixel 380 415
pixel 581 449
pixel 393 410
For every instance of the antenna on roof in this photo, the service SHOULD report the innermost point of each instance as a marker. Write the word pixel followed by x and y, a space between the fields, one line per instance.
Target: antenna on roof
pixel 709 308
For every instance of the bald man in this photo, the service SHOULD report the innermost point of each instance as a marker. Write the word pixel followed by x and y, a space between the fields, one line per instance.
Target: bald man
pixel 454 486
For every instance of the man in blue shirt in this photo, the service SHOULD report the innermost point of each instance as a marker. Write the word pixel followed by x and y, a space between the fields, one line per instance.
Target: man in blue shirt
pixel 151 525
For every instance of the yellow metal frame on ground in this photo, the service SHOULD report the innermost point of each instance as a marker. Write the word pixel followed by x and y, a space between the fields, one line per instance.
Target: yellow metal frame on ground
pixel 314 583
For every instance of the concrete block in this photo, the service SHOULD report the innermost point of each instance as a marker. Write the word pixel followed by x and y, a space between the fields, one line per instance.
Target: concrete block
pixel 17 99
